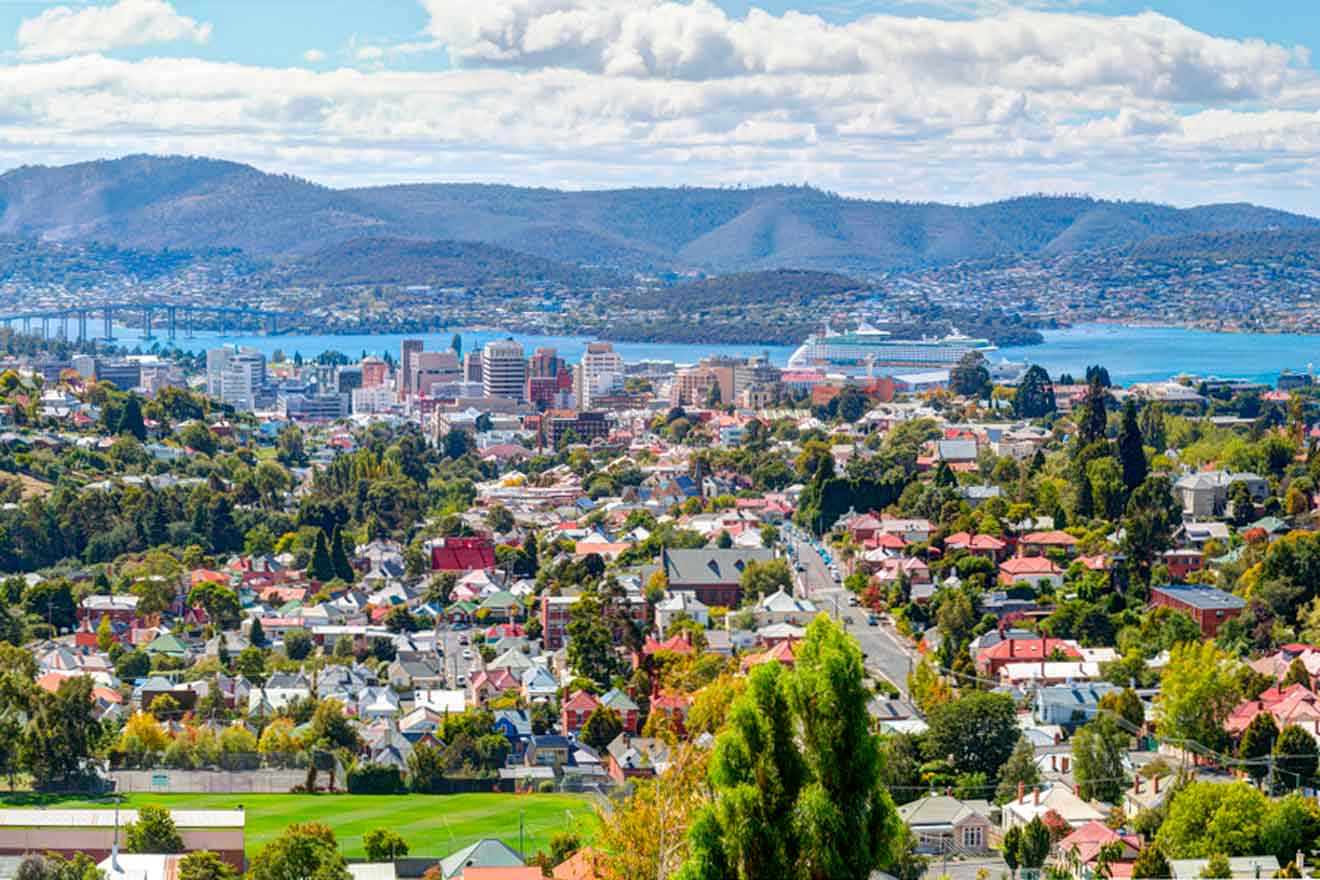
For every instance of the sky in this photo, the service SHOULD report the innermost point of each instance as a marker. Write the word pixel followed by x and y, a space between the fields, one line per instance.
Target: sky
pixel 1176 101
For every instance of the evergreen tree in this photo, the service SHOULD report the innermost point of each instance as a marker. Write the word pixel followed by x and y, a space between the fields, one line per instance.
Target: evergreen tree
pixel 1131 455
pixel 257 635
pixel 321 567
pixel 1296 674
pixel 1035 394
pixel 1092 415
pixel 1084 502
pixel 1295 756
pixel 1151 863
pixel 1258 742
pixel 339 563
pixel 130 420
pixel 1098 751
pixel 457 345
pixel 970 377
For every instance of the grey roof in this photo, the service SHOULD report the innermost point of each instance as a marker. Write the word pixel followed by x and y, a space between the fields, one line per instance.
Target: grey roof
pixel 486 853
pixel 1076 695
pixel 1239 866
pixel 709 565
pixel 1202 598
pixel 941 810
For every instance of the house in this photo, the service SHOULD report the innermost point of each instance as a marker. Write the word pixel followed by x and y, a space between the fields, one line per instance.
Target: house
pixel 946 824
pixel 1059 799
pixel 548 750
pixel 1195 535
pixel 712 574
pixel 1067 704
pixel 913 531
pixel 463 555
pixel 990 660
pixel 1205 493
pixel 1210 608
pixel 576 710
pixel 635 757
pixel 669 608
pixel 987 546
pixel 1240 867
pixel 1038 571
pixel 629 712
pixel 1183 562
pixel 782 607
pixel 1082 848
pixel 585 864
pixel 1146 794
pixel 1295 704
pixel 1042 542
pixel 485 853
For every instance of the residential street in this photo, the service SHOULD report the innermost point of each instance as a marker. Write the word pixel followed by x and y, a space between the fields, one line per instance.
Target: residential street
pixel 882 648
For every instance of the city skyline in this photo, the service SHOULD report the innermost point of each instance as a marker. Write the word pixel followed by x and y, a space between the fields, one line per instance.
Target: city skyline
pixel 954 100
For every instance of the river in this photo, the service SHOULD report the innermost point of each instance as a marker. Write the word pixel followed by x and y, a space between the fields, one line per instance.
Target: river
pixel 1131 354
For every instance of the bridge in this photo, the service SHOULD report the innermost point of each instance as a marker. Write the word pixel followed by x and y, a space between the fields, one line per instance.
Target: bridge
pixel 152 314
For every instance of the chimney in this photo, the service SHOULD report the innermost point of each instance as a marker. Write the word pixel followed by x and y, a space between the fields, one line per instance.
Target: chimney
pixel 1036 795
pixel 1157 785
pixel 1022 794
pixel 1066 761
pixel 1054 763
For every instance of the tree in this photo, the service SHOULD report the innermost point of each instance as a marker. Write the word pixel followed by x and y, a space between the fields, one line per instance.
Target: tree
pixel 1151 864
pixel 970 377
pixel 1295 756
pixel 1034 396
pixel 1258 742
pixel 305 851
pixel 1019 770
pixel 1098 750
pixel 1296 674
pixel 298 644
pixel 1209 817
pixel 220 603
pixel 1092 416
pixel 602 726
pixel 757 773
pixel 591 651
pixel 153 832
pixel 1126 705
pixel 847 823
pixel 646 835
pixel 384 845
pixel 61 732
pixel 1012 842
pixel 1217 866
pixel 105 634
pixel 1197 692
pixel 321 567
pixel 257 634
pixel 979 730
pixel 339 563
pixel 763 578
pixel 1032 846
pixel 130 419
pixel 1131 454
pixel 205 865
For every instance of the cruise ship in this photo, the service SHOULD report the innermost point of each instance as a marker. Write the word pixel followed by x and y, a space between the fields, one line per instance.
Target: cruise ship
pixel 862 350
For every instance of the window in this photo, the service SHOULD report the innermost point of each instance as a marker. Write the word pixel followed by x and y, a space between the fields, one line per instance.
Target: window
pixel 974 837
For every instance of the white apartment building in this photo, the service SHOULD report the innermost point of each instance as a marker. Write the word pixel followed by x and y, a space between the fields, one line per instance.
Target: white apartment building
pixel 504 370
pixel 600 372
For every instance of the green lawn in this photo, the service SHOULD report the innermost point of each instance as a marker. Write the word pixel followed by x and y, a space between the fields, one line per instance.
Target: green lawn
pixel 433 825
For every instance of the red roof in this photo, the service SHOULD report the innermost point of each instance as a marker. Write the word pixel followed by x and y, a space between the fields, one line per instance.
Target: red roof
pixel 581 701
pixel 974 542
pixel 679 644
pixel 463 554
pixel 1029 649
pixel 1055 538
pixel 1029 565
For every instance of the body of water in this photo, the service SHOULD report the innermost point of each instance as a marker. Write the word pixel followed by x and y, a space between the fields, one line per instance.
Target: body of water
pixel 1131 354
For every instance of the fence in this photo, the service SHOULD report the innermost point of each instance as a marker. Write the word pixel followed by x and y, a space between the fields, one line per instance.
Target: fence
pixel 168 781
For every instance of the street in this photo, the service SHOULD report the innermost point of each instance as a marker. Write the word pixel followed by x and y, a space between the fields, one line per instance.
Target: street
pixel 883 650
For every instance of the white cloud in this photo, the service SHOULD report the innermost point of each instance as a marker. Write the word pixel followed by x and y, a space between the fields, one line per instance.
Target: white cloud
pixel 69 30
pixel 586 93
pixel 313 56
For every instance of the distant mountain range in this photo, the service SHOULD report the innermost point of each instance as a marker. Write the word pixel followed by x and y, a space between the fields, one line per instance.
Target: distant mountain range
pixel 157 203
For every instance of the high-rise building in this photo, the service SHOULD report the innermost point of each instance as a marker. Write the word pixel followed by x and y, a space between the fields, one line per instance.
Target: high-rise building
pixel 472 366
pixel 430 368
pixel 504 370
pixel 600 372
pixel 375 372
pixel 408 352
pixel 544 363
pixel 243 376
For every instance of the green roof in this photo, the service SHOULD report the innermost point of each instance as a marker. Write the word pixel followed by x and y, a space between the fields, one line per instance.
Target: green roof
pixel 167 643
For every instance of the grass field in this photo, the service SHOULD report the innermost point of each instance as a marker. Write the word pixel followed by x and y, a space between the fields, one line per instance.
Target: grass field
pixel 433 825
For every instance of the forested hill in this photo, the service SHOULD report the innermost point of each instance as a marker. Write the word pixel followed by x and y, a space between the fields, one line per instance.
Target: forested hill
pixel 440 264
pixel 196 204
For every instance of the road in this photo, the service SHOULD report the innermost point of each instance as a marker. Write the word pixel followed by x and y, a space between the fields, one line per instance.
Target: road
pixel 882 648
